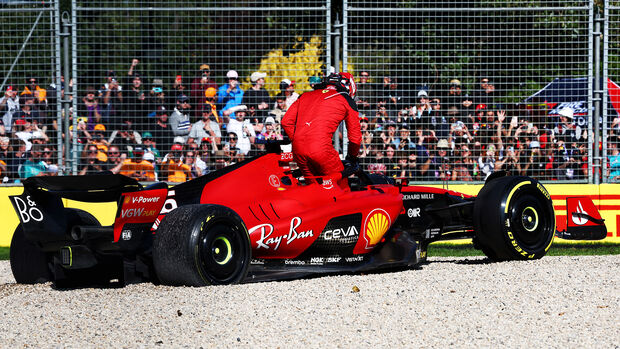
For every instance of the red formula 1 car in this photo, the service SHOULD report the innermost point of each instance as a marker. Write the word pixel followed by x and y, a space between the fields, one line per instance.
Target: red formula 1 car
pixel 257 220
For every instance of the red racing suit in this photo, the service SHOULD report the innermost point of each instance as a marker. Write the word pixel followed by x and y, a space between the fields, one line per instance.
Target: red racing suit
pixel 310 124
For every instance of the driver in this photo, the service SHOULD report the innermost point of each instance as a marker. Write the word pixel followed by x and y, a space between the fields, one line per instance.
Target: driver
pixel 312 120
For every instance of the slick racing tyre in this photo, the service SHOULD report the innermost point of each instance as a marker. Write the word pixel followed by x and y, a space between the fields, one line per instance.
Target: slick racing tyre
pixel 29 264
pixel 514 219
pixel 199 245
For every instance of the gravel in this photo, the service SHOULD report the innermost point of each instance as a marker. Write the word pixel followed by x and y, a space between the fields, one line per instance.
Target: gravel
pixel 451 302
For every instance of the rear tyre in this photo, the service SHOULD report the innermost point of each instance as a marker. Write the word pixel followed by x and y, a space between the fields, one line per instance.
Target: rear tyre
pixel 514 219
pixel 29 264
pixel 199 245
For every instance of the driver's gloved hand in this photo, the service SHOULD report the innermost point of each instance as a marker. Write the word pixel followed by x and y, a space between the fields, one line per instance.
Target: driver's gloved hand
pixel 351 168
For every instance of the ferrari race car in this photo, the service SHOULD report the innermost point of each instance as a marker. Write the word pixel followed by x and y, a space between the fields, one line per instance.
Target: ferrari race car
pixel 259 220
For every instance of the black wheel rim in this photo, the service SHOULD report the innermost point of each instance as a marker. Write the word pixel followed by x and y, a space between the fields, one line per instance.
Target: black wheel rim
pixel 530 220
pixel 222 251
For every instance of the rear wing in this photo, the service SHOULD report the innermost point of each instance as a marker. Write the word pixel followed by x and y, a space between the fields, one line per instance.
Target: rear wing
pixel 93 188
pixel 40 208
pixel 583 220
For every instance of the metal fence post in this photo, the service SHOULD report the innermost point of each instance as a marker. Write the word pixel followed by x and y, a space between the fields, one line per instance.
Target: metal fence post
pixel 58 86
pixel 328 35
pixel 66 98
pixel 598 92
pixel 345 67
pixel 74 89
pixel 605 111
pixel 336 37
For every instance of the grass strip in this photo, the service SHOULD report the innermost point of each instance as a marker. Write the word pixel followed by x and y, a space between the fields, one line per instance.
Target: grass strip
pixel 4 253
pixel 557 249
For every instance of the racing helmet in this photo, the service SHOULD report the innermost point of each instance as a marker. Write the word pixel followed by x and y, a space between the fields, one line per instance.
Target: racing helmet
pixel 343 81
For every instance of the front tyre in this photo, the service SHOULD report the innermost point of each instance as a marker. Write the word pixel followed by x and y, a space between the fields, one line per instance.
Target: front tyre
pixel 514 219
pixel 199 245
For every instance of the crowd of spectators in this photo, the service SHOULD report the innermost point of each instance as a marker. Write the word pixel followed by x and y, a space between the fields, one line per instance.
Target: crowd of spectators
pixel 156 132
pixel 152 131
pixel 452 135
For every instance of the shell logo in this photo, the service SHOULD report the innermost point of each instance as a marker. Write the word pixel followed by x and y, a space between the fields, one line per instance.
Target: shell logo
pixel 127 198
pixel 376 225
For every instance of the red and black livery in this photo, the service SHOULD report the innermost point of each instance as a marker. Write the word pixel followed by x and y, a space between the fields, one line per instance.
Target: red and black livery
pixel 259 220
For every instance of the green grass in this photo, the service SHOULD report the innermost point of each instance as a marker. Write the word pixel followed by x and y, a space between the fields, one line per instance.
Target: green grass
pixel 4 253
pixel 452 250
pixel 557 249
pixel 464 250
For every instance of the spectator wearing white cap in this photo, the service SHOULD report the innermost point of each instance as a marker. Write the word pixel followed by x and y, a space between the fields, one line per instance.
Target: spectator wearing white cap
pixel 229 95
pixel 257 97
pixel 243 128
pixel 454 98
pixel 150 157
pixel 423 108
pixel 566 129
pixel 270 132
pixel 287 88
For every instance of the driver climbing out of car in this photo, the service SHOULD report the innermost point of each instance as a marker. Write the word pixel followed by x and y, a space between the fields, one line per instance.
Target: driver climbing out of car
pixel 310 124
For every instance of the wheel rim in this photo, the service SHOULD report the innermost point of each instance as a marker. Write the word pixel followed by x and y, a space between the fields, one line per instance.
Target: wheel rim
pixel 221 251
pixel 529 220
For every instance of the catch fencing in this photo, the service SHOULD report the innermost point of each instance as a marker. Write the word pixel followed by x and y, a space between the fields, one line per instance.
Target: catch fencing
pixel 458 76
pixel 455 89
pixel 29 66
